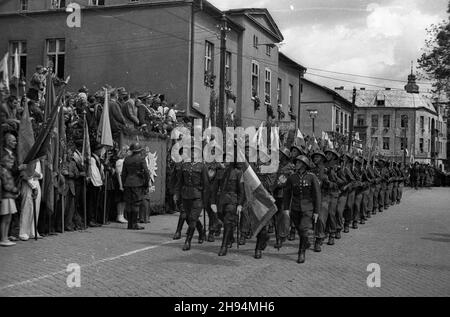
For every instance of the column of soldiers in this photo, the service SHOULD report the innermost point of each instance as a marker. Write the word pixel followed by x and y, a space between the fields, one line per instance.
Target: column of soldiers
pixel 318 195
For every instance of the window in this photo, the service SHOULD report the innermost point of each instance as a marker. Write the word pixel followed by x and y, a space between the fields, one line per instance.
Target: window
pixel 267 85
pixel 380 103
pixel 56 50
pixel 403 143
pixel 255 41
pixel 23 5
pixel 404 121
pixel 279 98
pixel 374 121
pixel 422 122
pixel 386 121
pixel 421 145
pixel 336 120
pixel 342 122
pixel 374 143
pixel 100 2
pixel 21 48
pixel 58 4
pixel 268 50
pixel 291 96
pixel 428 146
pixel 228 67
pixel 386 144
pixel 209 53
pixel 361 120
pixel 429 124
pixel 134 0
pixel 255 77
pixel 346 123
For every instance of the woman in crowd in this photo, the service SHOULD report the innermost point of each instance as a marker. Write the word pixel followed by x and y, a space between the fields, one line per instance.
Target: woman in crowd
pixel 8 204
pixel 119 196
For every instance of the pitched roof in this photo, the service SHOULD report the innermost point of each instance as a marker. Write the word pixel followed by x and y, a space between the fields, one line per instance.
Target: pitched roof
pixel 330 92
pixel 262 18
pixel 393 99
pixel 284 58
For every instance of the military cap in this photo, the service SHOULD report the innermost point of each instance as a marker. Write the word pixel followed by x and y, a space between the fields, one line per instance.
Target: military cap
pixel 285 152
pixel 136 148
pixel 320 153
pixel 299 148
pixel 304 160
pixel 332 151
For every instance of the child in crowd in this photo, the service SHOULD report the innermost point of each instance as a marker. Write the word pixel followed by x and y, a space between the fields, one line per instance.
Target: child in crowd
pixel 8 205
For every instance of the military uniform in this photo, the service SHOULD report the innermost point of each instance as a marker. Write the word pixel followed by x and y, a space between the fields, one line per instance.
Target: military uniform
pixel 346 186
pixel 302 197
pixel 191 183
pixel 228 194
pixel 282 219
pixel 135 178
pixel 377 190
pixel 359 189
pixel 214 225
pixel 384 187
pixel 332 222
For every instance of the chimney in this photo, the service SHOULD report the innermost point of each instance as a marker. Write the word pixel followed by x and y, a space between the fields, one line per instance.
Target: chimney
pixel 362 88
pixel 339 88
pixel 387 88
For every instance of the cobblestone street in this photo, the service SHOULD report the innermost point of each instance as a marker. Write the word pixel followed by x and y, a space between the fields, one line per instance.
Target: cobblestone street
pixel 410 242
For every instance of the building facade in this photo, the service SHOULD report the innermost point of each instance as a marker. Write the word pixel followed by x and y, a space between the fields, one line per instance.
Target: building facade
pixel 170 47
pixel 403 125
pixel 330 110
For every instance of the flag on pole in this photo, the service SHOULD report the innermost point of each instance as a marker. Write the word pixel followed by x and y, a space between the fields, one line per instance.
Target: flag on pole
pixel 49 96
pixel 315 145
pixel 299 139
pixel 4 71
pixel 25 136
pixel 104 134
pixel 261 203
pixel 16 71
pixel 42 144
pixel 86 152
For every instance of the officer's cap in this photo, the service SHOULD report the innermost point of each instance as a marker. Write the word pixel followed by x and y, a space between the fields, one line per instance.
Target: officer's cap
pixel 304 160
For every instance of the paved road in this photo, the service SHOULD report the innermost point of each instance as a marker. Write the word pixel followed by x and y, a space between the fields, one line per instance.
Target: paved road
pixel 410 242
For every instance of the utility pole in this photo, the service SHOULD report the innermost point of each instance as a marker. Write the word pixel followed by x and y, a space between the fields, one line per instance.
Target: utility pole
pixel 352 117
pixel 223 51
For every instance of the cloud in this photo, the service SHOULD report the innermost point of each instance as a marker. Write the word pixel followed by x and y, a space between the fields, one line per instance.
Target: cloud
pixel 392 36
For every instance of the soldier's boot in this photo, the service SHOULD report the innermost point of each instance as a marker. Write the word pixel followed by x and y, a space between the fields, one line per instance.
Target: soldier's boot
pixel 258 254
pixel 211 236
pixel 302 250
pixel 278 243
pixel 219 228
pixel 338 234
pixel 226 237
pixel 291 236
pixel 201 233
pixel 177 235
pixel 368 216
pixel 242 240
pixel 271 228
pixel 230 239
pixel 317 245
pixel 362 221
pixel 330 239
pixel 355 225
pixel 346 229
pixel 187 243
pixel 134 220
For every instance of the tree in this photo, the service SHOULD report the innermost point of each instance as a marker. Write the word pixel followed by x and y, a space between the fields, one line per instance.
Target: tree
pixel 435 61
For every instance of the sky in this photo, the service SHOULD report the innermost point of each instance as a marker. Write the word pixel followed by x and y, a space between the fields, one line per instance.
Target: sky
pixel 374 38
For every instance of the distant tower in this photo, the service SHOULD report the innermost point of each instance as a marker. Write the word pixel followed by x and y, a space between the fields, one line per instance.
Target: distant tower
pixel 412 87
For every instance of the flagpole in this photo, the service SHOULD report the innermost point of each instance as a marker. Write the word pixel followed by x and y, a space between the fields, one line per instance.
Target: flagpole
pixel 84 179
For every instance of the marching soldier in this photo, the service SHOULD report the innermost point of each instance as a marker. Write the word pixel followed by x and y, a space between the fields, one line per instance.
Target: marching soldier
pixel 366 180
pixel 344 182
pixel 282 220
pixel 302 199
pixel 215 172
pixel 332 167
pixel 296 150
pixel 350 203
pixel 267 180
pixel 359 189
pixel 371 184
pixel 384 185
pixel 190 186
pixel 326 186
pixel 227 200
pixel 377 188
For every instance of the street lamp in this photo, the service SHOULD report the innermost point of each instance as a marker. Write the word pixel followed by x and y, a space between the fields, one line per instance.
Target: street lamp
pixel 313 115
